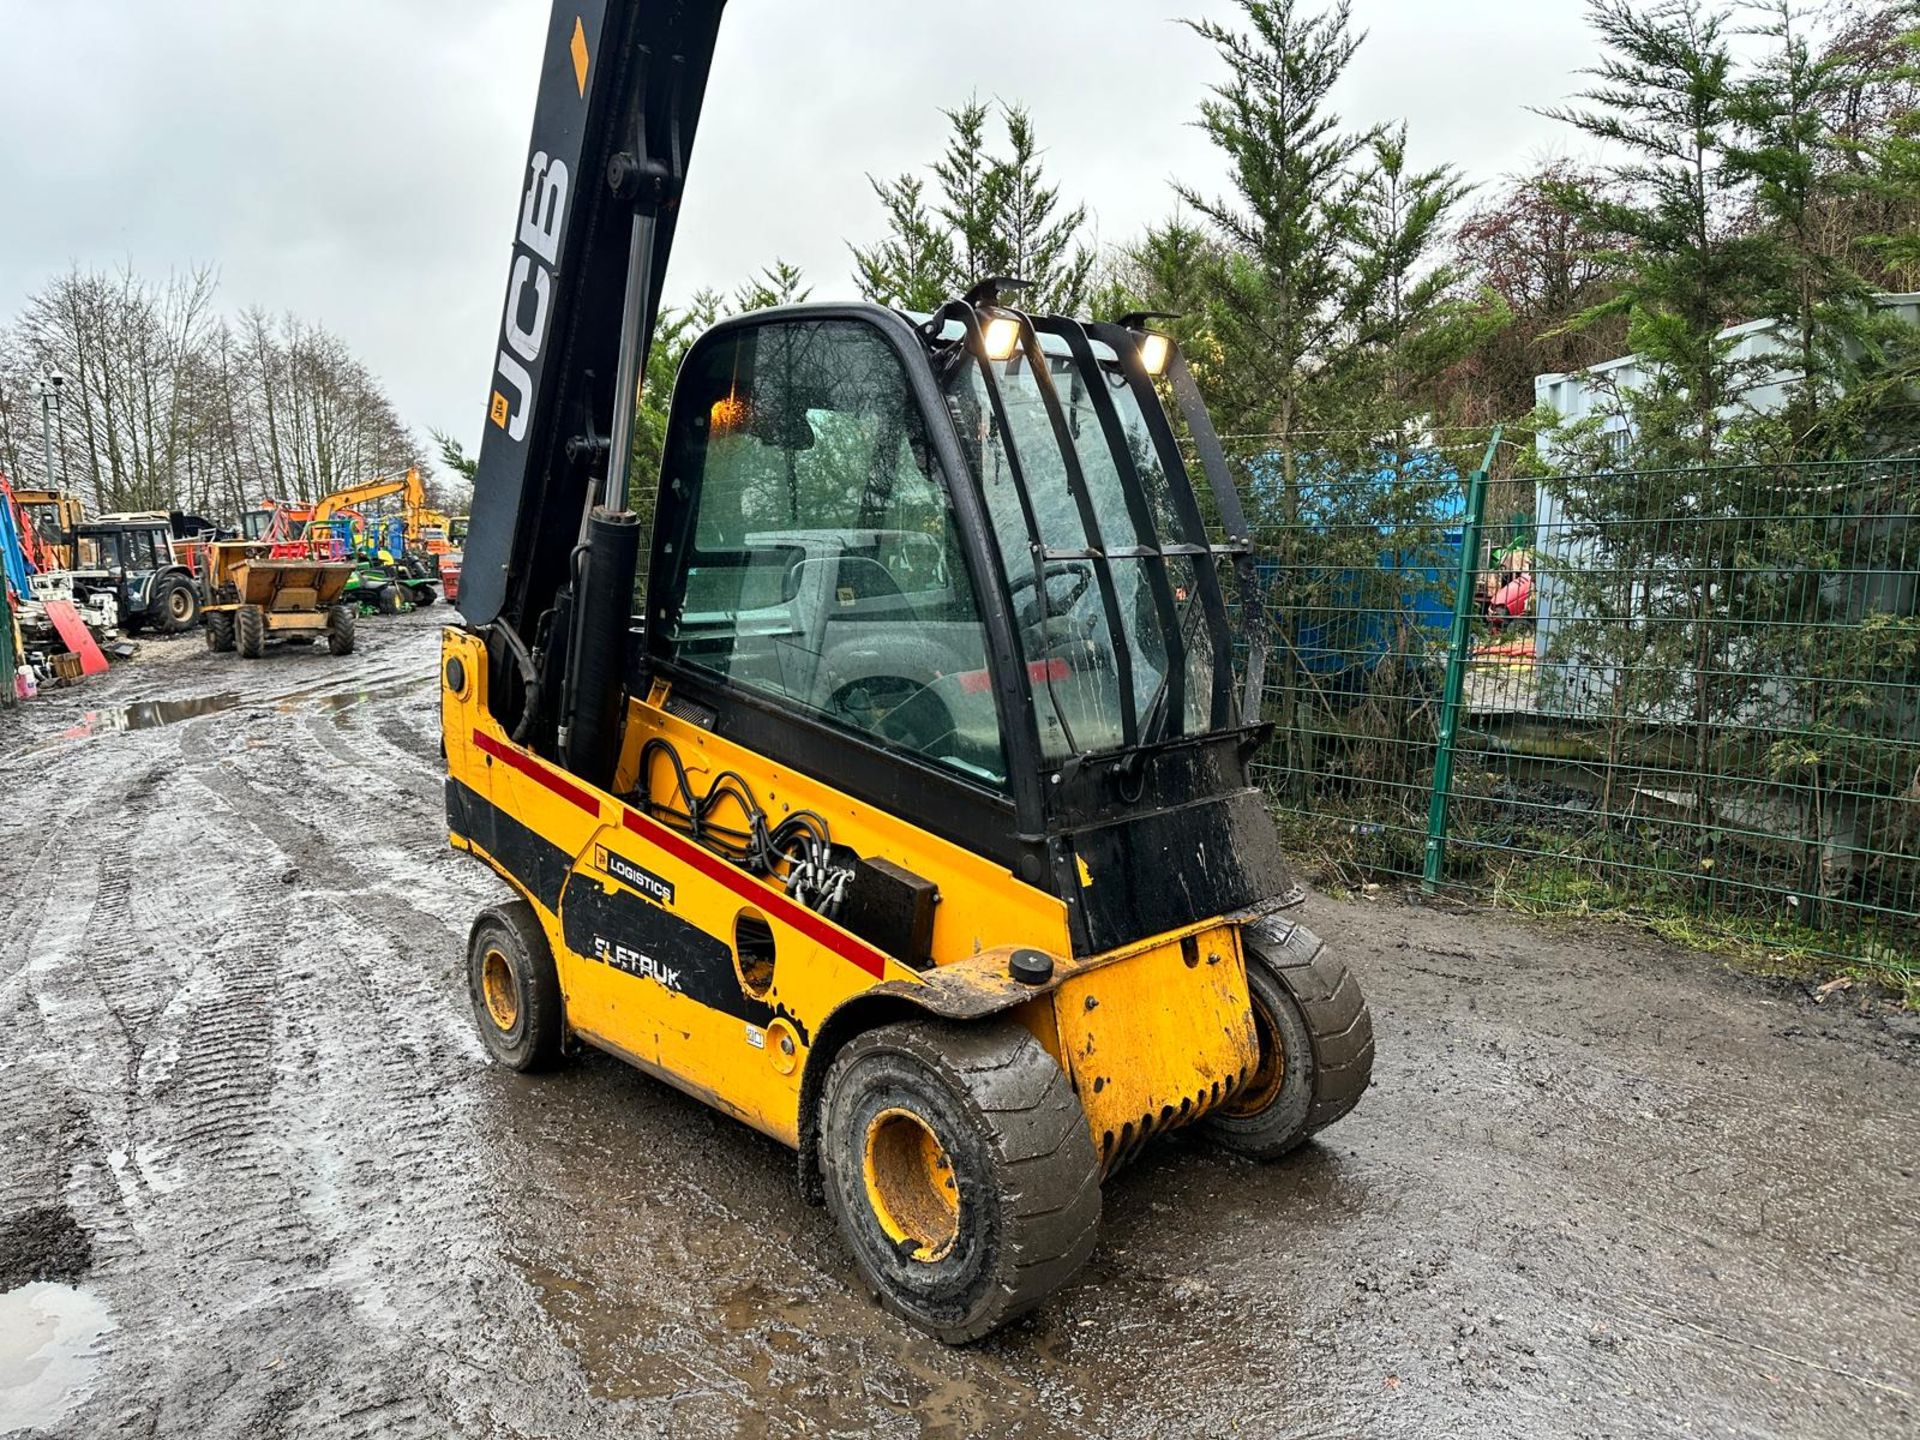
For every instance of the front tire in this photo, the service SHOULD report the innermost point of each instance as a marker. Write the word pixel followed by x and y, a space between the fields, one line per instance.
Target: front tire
pixel 959 1168
pixel 250 632
pixel 220 632
pixel 1316 1043
pixel 422 596
pixel 340 630
pixel 515 988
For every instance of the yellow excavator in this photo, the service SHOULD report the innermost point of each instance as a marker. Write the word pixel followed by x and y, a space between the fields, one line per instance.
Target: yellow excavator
pixel 906 817
pixel 421 524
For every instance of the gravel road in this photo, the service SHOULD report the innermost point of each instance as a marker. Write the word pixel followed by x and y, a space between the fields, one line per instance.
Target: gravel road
pixel 250 1143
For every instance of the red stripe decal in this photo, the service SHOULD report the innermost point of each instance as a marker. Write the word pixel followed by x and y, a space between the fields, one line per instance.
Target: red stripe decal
pixel 815 927
pixel 539 773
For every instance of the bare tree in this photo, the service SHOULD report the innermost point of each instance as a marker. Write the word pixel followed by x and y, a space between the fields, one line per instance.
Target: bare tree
pixel 170 406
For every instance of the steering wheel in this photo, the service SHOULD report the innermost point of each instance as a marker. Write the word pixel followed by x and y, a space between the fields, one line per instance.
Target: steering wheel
pixel 1031 615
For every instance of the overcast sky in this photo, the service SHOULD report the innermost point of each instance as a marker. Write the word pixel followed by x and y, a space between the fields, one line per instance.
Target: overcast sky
pixel 358 161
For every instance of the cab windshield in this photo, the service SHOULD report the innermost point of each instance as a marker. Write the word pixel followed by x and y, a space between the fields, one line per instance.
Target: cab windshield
pixel 1111 625
pixel 100 551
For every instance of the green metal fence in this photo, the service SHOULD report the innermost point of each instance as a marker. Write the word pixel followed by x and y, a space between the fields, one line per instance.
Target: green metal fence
pixel 1698 700
pixel 8 672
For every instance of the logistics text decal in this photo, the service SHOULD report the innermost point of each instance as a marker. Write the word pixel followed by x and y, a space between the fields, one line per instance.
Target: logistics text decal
pixel 645 881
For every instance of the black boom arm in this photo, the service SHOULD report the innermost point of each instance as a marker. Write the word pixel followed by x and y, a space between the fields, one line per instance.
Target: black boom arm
pixel 621 85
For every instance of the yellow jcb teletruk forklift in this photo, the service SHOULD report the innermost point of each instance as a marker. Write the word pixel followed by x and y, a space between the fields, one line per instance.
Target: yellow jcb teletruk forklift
pixel 904 814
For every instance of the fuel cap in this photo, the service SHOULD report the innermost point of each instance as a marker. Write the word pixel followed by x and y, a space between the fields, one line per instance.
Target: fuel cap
pixel 1031 967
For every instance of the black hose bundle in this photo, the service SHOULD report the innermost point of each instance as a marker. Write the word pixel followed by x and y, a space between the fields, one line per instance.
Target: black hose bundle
pixel 798 850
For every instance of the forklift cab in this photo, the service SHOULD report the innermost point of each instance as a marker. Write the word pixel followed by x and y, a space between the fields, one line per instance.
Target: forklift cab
pixel 959 555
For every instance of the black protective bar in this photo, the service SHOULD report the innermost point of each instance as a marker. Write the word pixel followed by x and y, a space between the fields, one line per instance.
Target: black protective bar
pixel 1126 344
pixel 1095 554
pixel 1114 431
pixel 976 346
pixel 1233 519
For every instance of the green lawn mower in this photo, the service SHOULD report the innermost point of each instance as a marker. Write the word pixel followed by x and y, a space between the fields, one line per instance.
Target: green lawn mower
pixel 383 587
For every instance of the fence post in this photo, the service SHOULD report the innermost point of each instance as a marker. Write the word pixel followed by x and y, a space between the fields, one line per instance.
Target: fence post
pixel 1459 644
pixel 8 684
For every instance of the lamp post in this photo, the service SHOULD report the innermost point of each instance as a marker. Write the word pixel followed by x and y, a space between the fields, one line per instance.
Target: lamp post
pixel 48 388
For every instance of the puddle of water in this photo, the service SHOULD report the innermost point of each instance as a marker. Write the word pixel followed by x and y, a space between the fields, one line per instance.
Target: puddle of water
pixel 149 715
pixel 143 715
pixel 47 1335
pixel 335 701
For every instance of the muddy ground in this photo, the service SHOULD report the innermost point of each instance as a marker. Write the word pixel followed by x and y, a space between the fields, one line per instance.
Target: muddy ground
pixel 1600 1188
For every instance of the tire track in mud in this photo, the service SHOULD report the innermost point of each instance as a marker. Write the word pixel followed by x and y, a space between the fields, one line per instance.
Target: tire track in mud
pixel 188 1199
pixel 275 1162
pixel 50 1130
pixel 404 769
pixel 370 1043
pixel 128 967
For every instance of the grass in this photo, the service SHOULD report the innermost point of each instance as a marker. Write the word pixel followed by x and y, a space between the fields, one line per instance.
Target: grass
pixel 1759 946
pixel 1342 854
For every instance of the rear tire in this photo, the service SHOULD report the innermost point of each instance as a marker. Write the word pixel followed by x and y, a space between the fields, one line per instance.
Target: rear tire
pixel 220 632
pixel 340 630
pixel 176 606
pixel 391 601
pixel 250 632
pixel 959 1167
pixel 515 988
pixel 1316 1043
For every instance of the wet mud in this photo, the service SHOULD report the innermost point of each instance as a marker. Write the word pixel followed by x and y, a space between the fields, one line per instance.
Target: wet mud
pixel 42 1243
pixel 1600 1188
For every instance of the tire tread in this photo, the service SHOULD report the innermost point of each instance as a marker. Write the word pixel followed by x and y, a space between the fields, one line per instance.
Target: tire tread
pixel 1041 1146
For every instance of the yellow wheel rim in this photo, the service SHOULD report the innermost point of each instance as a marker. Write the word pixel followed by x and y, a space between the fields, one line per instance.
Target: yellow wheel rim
pixel 911 1185
pixel 1263 1086
pixel 500 990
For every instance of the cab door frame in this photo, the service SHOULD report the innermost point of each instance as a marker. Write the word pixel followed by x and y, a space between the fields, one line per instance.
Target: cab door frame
pixel 1008 827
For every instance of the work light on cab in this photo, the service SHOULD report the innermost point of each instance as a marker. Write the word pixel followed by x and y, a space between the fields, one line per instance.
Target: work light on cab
pixel 1155 351
pixel 1001 337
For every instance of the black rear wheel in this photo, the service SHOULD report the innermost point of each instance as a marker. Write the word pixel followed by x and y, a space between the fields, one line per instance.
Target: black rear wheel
pixel 391 600
pixel 176 605
pixel 959 1167
pixel 515 988
pixel 1316 1043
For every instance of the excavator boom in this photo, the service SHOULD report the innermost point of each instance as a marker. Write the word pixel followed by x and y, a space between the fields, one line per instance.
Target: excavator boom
pixel 352 497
